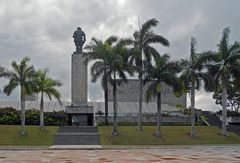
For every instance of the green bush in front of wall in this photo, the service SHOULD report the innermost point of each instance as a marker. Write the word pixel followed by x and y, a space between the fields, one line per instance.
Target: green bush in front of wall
pixel 11 116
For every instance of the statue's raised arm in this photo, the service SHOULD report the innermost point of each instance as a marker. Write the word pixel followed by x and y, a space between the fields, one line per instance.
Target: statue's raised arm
pixel 79 39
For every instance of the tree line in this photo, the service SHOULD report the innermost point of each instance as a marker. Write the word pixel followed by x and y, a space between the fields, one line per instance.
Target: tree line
pixel 116 58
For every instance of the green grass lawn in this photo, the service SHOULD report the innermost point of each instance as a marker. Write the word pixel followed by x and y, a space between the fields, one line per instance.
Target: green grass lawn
pixel 171 135
pixel 9 135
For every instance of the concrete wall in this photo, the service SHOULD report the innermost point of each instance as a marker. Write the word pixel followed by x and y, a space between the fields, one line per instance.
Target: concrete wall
pixel 153 119
pixel 123 107
pixel 129 92
pixel 132 107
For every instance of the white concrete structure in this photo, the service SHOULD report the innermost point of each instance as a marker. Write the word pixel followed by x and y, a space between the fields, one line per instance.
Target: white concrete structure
pixel 123 107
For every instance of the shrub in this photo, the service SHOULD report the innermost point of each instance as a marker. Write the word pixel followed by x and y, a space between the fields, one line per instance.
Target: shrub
pixel 11 116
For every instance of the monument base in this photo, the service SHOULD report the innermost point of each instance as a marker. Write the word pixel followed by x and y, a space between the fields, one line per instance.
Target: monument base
pixel 80 115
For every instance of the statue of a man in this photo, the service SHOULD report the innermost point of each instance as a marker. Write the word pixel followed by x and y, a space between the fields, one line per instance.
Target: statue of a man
pixel 79 39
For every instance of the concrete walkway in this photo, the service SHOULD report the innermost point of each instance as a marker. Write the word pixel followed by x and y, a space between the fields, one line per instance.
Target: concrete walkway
pixel 212 154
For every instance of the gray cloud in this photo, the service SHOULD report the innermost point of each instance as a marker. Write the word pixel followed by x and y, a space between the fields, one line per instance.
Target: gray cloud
pixel 42 29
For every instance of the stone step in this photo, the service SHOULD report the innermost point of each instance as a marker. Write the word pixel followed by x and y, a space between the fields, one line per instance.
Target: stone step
pixel 76 140
pixel 71 147
pixel 77 129
pixel 79 133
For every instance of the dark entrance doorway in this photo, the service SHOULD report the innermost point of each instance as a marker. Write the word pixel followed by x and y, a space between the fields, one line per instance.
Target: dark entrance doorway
pixel 80 119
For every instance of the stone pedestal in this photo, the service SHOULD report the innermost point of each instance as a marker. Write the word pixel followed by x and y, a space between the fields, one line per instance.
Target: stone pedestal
pixel 79 80
pixel 80 115
pixel 79 112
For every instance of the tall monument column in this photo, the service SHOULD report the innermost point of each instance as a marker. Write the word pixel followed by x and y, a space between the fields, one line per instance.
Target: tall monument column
pixel 79 80
pixel 80 113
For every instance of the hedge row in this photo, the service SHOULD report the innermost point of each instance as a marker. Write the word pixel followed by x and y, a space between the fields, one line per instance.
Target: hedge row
pixel 11 116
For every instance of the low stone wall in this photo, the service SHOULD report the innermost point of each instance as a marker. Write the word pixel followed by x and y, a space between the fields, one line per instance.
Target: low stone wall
pixel 146 119
pixel 232 120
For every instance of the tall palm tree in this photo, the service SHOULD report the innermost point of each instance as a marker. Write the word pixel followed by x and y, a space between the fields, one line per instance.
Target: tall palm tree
pixel 115 67
pixel 164 71
pixel 21 75
pixel 192 75
pixel 98 51
pixel 224 67
pixel 43 84
pixel 144 51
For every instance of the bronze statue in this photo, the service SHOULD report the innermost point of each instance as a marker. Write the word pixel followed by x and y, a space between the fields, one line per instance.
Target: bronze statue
pixel 79 39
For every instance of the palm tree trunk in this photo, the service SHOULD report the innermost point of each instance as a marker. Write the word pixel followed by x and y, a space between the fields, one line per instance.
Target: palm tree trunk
pixel 140 103
pixel 106 104
pixel 23 129
pixel 224 110
pixel 140 95
pixel 159 108
pixel 193 128
pixel 114 132
pixel 41 112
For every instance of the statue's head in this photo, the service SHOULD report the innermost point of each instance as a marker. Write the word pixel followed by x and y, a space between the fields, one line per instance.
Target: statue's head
pixel 78 28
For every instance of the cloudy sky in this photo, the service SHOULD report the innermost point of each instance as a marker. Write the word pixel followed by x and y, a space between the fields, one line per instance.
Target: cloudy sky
pixel 42 30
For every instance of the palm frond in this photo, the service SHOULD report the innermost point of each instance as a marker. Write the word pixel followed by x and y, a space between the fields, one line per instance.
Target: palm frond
pixel 208 57
pixel 96 41
pixel 156 39
pixel 235 70
pixel 150 52
pixel 111 40
pixel 207 79
pixel 97 70
pixel 223 45
pixel 55 93
pixel 152 90
pixel 10 86
pixel 147 26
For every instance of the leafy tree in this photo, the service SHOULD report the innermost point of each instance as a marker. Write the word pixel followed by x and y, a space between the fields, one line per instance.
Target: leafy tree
pixel 224 66
pixel 21 75
pixel 43 84
pixel 192 76
pixel 164 71
pixel 233 98
pixel 98 51
pixel 144 51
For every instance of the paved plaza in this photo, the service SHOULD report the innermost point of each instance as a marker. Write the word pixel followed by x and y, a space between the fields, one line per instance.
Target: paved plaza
pixel 183 154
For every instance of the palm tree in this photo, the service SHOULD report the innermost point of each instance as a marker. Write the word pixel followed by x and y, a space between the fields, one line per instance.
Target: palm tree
pixel 98 51
pixel 21 75
pixel 143 51
pixel 163 72
pixel 45 85
pixel 224 67
pixel 114 67
pixel 192 75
